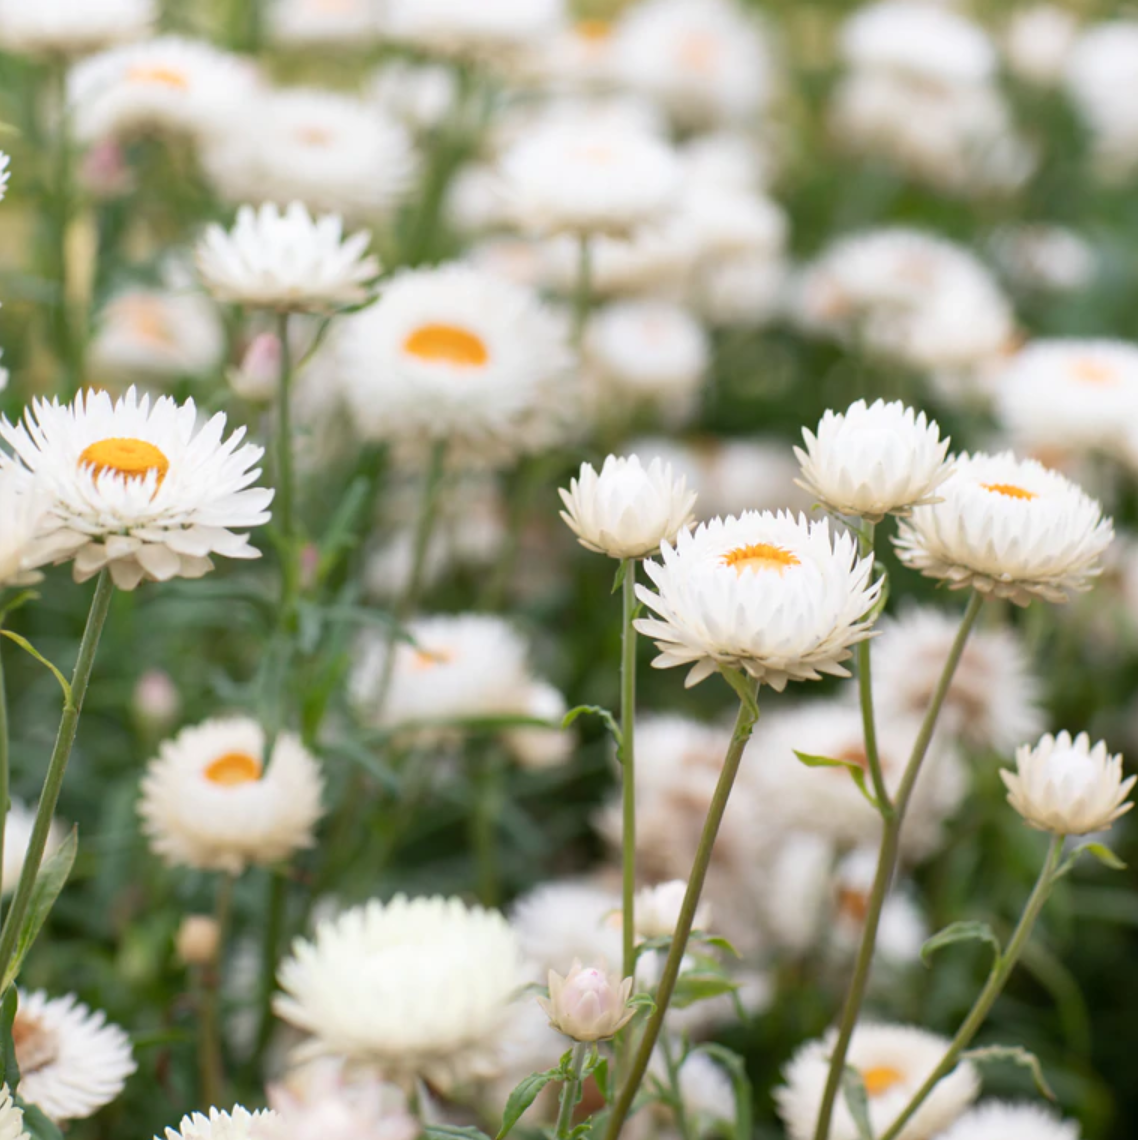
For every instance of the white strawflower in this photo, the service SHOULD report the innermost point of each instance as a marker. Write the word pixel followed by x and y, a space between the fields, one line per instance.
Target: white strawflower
pixel 237 1124
pixel 11 1117
pixel 419 987
pixel 1101 77
pixel 653 257
pixel 72 27
pixel 1008 527
pixel 334 153
pixel 211 799
pixel 627 510
pixel 589 176
pixel 1053 259
pixel 874 461
pixel 343 23
pixel 571 918
pixel 165 85
pixel 657 910
pixel 893 1062
pixel 489 30
pixel 588 1004
pixel 418 95
pixel 998 1120
pixel 22 507
pixel 455 354
pixel 537 748
pixel 17 834
pixel 137 487
pixel 994 700
pixel 1038 42
pixel 776 596
pixel 704 60
pixel 1067 787
pixel 743 290
pixel 72 1060
pixel 286 261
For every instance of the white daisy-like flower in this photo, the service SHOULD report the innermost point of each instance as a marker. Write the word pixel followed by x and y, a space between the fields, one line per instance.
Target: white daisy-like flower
pixel 994 700
pixel 72 1060
pixel 1038 42
pixel 420 987
pixel 286 261
pixel 139 488
pixel 169 84
pixel 998 1120
pixel 535 747
pixel 744 290
pixel 893 1062
pixel 489 30
pixel 455 353
pixel 237 1124
pixel 704 60
pixel 1101 77
pixel 333 152
pixel 1008 527
pixel 209 799
pixel 656 910
pixel 343 23
pixel 1067 787
pixel 902 929
pixel 654 257
pixel 72 27
pixel 23 507
pixel 876 460
pixel 11 1117
pixel 418 95
pixel 730 222
pixel 776 596
pixel 571 918
pixel 589 176
pixel 628 509
pixel 730 158
pixel 17 834
pixel 1072 394
pixel 1053 259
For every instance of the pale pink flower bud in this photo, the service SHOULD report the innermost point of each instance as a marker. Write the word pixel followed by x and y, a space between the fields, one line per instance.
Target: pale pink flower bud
pixel 656 910
pixel 157 701
pixel 259 373
pixel 198 940
pixel 103 171
pixel 588 1004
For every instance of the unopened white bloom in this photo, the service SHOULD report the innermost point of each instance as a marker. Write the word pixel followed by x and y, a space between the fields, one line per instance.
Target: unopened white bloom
pixel 1067 787
pixel 1008 527
pixel 419 987
pixel 72 27
pixel 775 596
pixel 1038 42
pixel 198 940
pixel 893 1062
pixel 237 1124
pixel 72 1061
pixel 286 261
pixel 156 701
pixel 657 910
pixel 588 1004
pixel 627 510
pixel 589 177
pixel 874 461
pixel 208 801
pixel 258 376
pixel 11 1117
pixel 998 1120
pixel 17 836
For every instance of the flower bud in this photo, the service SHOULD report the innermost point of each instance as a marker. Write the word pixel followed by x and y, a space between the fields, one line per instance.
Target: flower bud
pixel 656 910
pixel 156 701
pixel 587 1004
pixel 198 940
pixel 259 373
pixel 103 171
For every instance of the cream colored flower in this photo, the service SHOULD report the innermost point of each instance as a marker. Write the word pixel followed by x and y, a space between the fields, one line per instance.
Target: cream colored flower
pixel 999 1120
pixel 1067 787
pixel 11 1117
pixel 340 23
pixel 1038 42
pixel 494 30
pixel 17 834
pixel 23 507
pixel 72 27
pixel 588 1004
pixel 657 910
pixel 237 1124
pixel 198 940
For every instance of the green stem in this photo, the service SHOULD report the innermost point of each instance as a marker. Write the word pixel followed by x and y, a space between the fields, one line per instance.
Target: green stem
pixel 275 906
pixel 286 501
pixel 211 1069
pixel 867 544
pixel 683 1124
pixel 997 979
pixel 744 724
pixel 582 298
pixel 628 766
pixel 886 868
pixel 571 1091
pixel 56 768
pixel 4 764
pixel 483 826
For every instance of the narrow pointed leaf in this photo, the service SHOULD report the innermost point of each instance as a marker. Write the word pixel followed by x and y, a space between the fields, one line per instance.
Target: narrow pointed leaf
pixel 1017 1055
pixel 961 932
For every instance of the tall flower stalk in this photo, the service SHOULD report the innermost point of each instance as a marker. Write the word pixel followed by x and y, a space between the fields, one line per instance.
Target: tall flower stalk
pixel 628 765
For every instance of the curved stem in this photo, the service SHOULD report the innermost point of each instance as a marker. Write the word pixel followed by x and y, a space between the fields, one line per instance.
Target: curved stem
pixel 867 543
pixel 571 1091
pixel 628 766
pixel 997 979
pixel 744 724
pixel 56 768
pixel 886 868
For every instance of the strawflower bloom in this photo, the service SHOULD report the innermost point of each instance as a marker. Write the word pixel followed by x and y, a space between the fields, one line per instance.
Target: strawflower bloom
pixel 11 1117
pixel 489 30
pixel 72 27
pixel 656 910
pixel 1067 787
pixel 237 1124
pixel 998 1120
pixel 22 507
pixel 588 1004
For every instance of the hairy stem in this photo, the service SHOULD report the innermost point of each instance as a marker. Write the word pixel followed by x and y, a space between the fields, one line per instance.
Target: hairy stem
pixel 628 766
pixel 571 1091
pixel 867 543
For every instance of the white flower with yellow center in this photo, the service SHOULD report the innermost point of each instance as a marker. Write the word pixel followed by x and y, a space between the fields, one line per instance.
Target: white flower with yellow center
pixel 999 1120
pixel 288 261
pixel 11 1117
pixel 237 1124
pixel 333 152
pixel 17 834
pixel 72 1061
pixel 139 488
pixel 704 60
pixel 419 987
pixel 489 30
pixel 345 23
pixel 1071 394
pixel 455 354
pixel 72 27
pixel 1067 787
pixel 165 85
pixel 1008 527
pixel 872 461
pixel 893 1062
pixel 589 176
pixel 211 799
pixel 628 509
pixel 773 595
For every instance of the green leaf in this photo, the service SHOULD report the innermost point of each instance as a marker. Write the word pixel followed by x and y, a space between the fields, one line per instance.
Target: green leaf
pixel 30 649
pixel 523 1096
pixel 7 1019
pixel 49 882
pixel 736 1067
pixel 36 1122
pixel 1103 854
pixel 16 600
pixel 1018 1055
pixel 595 710
pixel 621 574
pixel 453 1132
pixel 851 766
pixel 715 940
pixel 961 932
pixel 691 988
pixel 857 1101
pixel 601 1076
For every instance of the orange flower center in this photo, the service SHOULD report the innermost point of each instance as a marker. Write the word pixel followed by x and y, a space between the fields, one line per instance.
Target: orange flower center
pixel 855 905
pixel 1093 372
pixel 594 30
pixel 146 318
pixel 157 74
pixel 424 659
pixel 313 136
pixel 36 1043
pixel 232 769
pixel 699 52
pixel 131 458
pixel 880 1079
pixel 447 344
pixel 1010 490
pixel 759 556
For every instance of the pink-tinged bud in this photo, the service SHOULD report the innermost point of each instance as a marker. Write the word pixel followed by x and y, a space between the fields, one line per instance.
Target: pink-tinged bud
pixel 656 910
pixel 309 565
pixel 157 701
pixel 259 373
pixel 588 1004
pixel 198 940
pixel 103 171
